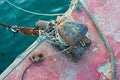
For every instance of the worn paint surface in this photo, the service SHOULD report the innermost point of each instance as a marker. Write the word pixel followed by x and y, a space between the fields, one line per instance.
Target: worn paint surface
pixel 95 64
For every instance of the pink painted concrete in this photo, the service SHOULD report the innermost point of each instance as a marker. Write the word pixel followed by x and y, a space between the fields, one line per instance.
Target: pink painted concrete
pixel 95 64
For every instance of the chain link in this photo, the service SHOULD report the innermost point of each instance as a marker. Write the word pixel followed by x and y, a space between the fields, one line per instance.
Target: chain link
pixel 54 37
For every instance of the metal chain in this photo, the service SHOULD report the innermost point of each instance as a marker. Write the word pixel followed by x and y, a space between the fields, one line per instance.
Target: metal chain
pixel 56 38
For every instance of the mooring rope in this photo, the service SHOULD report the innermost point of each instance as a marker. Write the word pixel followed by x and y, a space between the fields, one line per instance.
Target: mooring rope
pixel 31 12
pixel 17 20
pixel 94 22
pixel 33 47
pixel 103 38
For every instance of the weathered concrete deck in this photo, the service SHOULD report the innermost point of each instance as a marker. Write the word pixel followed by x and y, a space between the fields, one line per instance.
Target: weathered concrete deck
pixel 94 65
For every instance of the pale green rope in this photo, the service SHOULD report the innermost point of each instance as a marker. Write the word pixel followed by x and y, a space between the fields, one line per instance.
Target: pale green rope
pixel 35 13
pixel 103 38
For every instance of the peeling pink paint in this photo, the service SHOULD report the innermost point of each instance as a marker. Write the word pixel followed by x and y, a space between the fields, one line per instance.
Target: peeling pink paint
pixel 107 15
